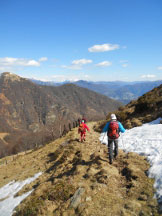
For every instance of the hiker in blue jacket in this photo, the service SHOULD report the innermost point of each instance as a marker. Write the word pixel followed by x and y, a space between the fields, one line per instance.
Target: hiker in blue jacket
pixel 113 128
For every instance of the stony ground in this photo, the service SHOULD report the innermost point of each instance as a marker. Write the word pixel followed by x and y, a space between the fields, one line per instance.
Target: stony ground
pixel 78 180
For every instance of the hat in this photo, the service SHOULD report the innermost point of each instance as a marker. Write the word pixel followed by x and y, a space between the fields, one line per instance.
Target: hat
pixel 113 116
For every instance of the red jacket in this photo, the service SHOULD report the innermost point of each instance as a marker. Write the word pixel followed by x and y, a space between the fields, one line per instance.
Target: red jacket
pixel 85 127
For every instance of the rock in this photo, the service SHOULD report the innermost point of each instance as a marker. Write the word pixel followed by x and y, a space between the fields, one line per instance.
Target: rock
pixel 88 199
pixel 143 197
pixel 76 198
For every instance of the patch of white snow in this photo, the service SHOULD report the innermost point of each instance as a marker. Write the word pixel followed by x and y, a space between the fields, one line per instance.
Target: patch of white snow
pixel 7 200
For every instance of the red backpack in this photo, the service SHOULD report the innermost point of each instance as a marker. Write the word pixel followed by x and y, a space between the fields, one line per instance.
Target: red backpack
pixel 113 131
pixel 81 128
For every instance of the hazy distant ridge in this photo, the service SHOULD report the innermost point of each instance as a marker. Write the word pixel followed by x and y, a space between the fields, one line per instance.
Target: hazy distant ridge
pixel 119 90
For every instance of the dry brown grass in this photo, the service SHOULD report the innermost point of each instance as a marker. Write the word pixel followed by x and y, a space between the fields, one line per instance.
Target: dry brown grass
pixel 119 189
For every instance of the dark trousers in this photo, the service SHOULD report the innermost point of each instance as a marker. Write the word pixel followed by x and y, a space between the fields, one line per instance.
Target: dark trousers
pixel 110 148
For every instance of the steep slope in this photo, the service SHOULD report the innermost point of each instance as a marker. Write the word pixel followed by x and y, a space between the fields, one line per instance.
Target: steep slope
pixel 84 102
pixel 33 114
pixel 78 180
pixel 145 109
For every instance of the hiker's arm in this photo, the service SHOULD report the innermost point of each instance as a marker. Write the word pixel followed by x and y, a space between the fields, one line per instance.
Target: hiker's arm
pixel 105 129
pixel 87 128
pixel 121 128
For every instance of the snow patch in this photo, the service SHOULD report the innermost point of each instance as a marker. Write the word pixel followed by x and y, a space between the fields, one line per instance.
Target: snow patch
pixel 7 200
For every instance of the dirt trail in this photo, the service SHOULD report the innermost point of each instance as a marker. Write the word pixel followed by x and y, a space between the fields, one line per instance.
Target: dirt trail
pixel 78 180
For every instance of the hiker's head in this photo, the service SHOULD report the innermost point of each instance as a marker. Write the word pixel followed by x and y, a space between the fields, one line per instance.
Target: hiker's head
pixel 113 117
pixel 82 120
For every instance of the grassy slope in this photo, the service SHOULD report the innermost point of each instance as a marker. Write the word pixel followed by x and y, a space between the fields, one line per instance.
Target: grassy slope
pixel 119 189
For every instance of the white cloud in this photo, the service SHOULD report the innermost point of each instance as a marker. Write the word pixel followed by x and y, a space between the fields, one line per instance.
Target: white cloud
pixel 149 76
pixel 30 63
pixel 42 59
pixel 8 61
pixel 77 64
pixel 159 68
pixel 81 62
pixel 103 48
pixel 104 64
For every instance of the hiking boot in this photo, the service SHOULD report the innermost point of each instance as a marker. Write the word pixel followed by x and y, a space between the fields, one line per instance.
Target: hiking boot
pixel 115 157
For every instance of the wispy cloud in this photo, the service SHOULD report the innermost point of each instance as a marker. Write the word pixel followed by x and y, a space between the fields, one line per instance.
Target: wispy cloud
pixel 77 64
pixel 104 64
pixel 103 48
pixel 148 76
pixel 159 68
pixel 81 62
pixel 42 59
pixel 11 62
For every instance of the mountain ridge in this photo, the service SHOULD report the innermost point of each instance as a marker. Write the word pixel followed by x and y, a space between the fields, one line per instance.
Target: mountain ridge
pixel 118 90
pixel 34 114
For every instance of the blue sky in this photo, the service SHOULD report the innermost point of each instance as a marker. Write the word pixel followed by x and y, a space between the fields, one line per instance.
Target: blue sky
pixel 104 40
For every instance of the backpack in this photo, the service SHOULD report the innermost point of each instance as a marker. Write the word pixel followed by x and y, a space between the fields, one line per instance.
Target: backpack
pixel 81 128
pixel 113 131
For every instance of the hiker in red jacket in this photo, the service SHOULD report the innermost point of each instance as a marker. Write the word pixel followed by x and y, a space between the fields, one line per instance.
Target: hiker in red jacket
pixel 82 130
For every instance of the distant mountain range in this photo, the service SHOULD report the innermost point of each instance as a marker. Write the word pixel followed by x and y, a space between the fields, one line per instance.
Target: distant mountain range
pixel 118 90
pixel 32 114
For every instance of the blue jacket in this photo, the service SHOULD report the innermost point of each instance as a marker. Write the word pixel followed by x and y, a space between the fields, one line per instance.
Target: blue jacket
pixel 121 128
